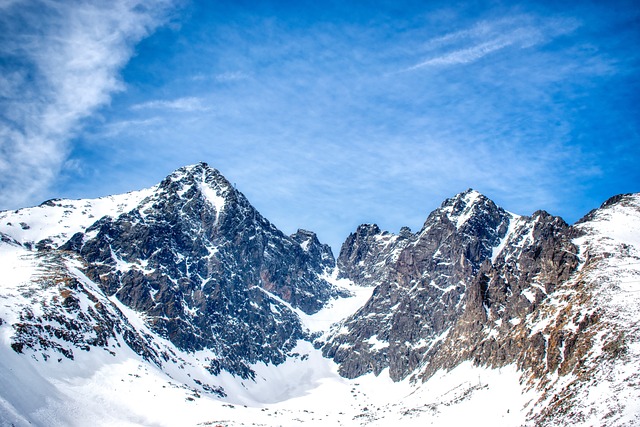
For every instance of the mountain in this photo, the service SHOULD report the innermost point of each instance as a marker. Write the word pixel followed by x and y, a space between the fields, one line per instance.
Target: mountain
pixel 191 255
pixel 420 283
pixel 483 285
pixel 184 293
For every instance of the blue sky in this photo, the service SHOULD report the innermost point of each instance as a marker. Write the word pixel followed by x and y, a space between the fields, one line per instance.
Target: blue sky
pixel 324 114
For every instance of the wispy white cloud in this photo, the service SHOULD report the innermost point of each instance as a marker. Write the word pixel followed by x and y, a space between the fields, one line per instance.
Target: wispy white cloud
pixel 60 62
pixel 319 135
pixel 223 77
pixel 231 76
pixel 115 128
pixel 472 44
pixel 186 104
pixel 466 55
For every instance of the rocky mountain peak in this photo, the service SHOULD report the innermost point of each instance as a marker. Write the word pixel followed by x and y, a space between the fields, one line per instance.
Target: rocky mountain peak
pixel 467 208
pixel 191 278
pixel 306 238
pixel 196 182
pixel 201 175
pixel 464 198
pixel 320 252
pixel 207 270
pixel 364 251
pixel 420 278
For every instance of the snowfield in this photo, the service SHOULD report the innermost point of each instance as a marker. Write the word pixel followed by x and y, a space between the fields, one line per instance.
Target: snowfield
pixel 119 388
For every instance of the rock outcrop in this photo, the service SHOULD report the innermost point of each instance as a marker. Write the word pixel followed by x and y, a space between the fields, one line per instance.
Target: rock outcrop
pixel 420 282
pixel 208 271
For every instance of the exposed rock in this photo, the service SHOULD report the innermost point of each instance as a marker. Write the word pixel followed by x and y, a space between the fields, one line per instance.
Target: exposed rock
pixel 196 264
pixel 420 281
pixel 208 271
pixel 535 258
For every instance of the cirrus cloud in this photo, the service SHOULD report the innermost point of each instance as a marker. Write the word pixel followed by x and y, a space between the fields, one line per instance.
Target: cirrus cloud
pixel 60 62
pixel 469 45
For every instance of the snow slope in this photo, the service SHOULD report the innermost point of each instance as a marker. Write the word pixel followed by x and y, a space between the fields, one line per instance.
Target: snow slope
pixel 59 219
pixel 118 387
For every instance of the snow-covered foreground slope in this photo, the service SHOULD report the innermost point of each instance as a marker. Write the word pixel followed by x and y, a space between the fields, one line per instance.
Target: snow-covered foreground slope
pixel 116 386
pixel 125 391
pixel 603 386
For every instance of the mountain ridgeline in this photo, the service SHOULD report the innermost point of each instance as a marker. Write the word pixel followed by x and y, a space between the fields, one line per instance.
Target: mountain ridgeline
pixel 433 285
pixel 206 272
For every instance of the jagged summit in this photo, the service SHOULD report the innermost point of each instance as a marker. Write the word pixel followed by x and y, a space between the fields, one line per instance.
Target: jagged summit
pixel 54 221
pixel 462 200
pixel 200 168
pixel 199 182
pixel 421 278
pixel 467 205
pixel 308 241
pixel 201 175
pixel 468 195
pixel 202 265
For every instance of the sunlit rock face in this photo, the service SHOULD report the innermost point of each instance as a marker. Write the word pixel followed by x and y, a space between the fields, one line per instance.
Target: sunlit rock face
pixel 421 281
pixel 207 270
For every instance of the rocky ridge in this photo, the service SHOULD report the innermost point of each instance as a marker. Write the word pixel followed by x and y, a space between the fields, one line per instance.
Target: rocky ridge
pixel 530 291
pixel 205 269
pixel 190 277
pixel 420 282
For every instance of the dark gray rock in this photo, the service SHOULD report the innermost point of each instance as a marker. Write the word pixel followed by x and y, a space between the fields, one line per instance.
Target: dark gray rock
pixel 536 258
pixel 208 271
pixel 420 282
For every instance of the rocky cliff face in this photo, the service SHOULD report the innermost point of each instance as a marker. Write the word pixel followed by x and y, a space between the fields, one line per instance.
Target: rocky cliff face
pixel 455 291
pixel 206 270
pixel 420 282
pixel 535 257
pixel 479 284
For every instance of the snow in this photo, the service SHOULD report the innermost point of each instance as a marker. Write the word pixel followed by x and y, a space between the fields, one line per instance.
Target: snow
pixel 469 199
pixel 514 221
pixel 18 269
pixel 376 344
pixel 335 310
pixel 101 389
pixel 447 289
pixel 212 196
pixel 126 391
pixel 338 309
pixel 104 388
pixel 66 217
pixel 607 283
pixel 305 245
pixel 529 295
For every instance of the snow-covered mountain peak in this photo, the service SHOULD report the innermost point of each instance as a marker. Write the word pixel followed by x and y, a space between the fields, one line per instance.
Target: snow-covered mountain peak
pixel 55 221
pixel 460 208
pixel 464 198
pixel 199 180
pixel 185 294
pixel 200 173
